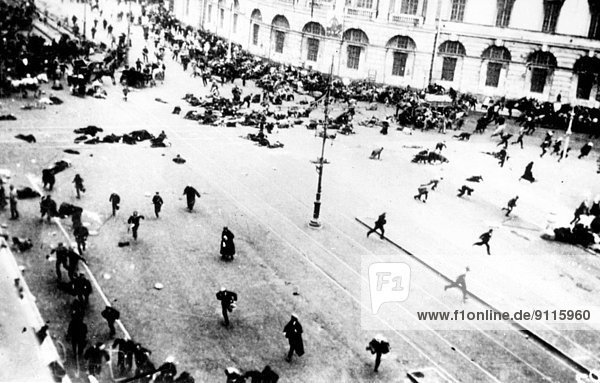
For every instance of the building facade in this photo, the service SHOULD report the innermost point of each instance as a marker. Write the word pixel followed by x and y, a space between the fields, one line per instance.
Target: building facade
pixel 512 48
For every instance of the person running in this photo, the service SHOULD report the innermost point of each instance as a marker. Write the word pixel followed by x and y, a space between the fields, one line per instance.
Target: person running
pixel 460 283
pixel 157 201
pixel 134 223
pixel 502 157
pixel 423 193
pixel 545 145
pixel 582 209
pixel 512 203
pixel 378 225
pixel 504 140
pixel 528 174
pixel 520 137
pixel 484 240
pixel 78 181
pixel 378 346
pixel 557 147
pixel 114 200
pixel 191 193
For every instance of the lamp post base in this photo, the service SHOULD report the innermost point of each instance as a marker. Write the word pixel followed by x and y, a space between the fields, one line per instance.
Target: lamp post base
pixel 314 223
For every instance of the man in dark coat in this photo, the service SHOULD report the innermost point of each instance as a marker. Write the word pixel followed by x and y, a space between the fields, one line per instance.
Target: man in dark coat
pixel 378 346
pixel 190 194
pixel 81 234
pixel 134 223
pixel 585 150
pixel 378 225
pixel 96 356
pixel 78 181
pixel 227 244
pixel 61 259
pixel 157 201
pixel 293 331
pixel 77 334
pixel 125 354
pixel 82 288
pixel 228 299
pixel 48 207
pixel 74 259
pixel 115 200
pixel 485 240
pixel 48 179
pixel 111 315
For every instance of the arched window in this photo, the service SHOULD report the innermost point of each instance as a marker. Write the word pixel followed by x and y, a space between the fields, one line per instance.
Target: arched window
pixel 587 70
pixel 496 53
pixel 402 47
pixel 541 65
pixel 450 52
pixel 357 39
pixel 281 22
pixel 280 25
pixel 256 18
pixel 452 48
pixel 498 57
pixel 256 15
pixel 356 36
pixel 401 42
pixel 314 30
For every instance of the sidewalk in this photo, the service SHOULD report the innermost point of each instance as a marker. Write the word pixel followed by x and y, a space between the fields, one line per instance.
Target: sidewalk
pixel 22 358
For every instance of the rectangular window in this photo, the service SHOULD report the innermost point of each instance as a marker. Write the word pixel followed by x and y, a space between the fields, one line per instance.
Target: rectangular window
pixel 448 68
pixel 493 74
pixel 364 4
pixel 551 11
pixel 353 56
pixel 235 18
pixel 399 64
pixel 279 41
pixel 594 32
pixel 222 18
pixel 255 30
pixel 209 13
pixel 409 7
pixel 538 79
pixel 585 82
pixel 504 10
pixel 313 49
pixel 458 10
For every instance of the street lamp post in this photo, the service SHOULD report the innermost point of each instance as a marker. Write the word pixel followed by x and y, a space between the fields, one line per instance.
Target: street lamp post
pixel 569 132
pixel 84 17
pixel 315 222
pixel 230 29
pixel 129 26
